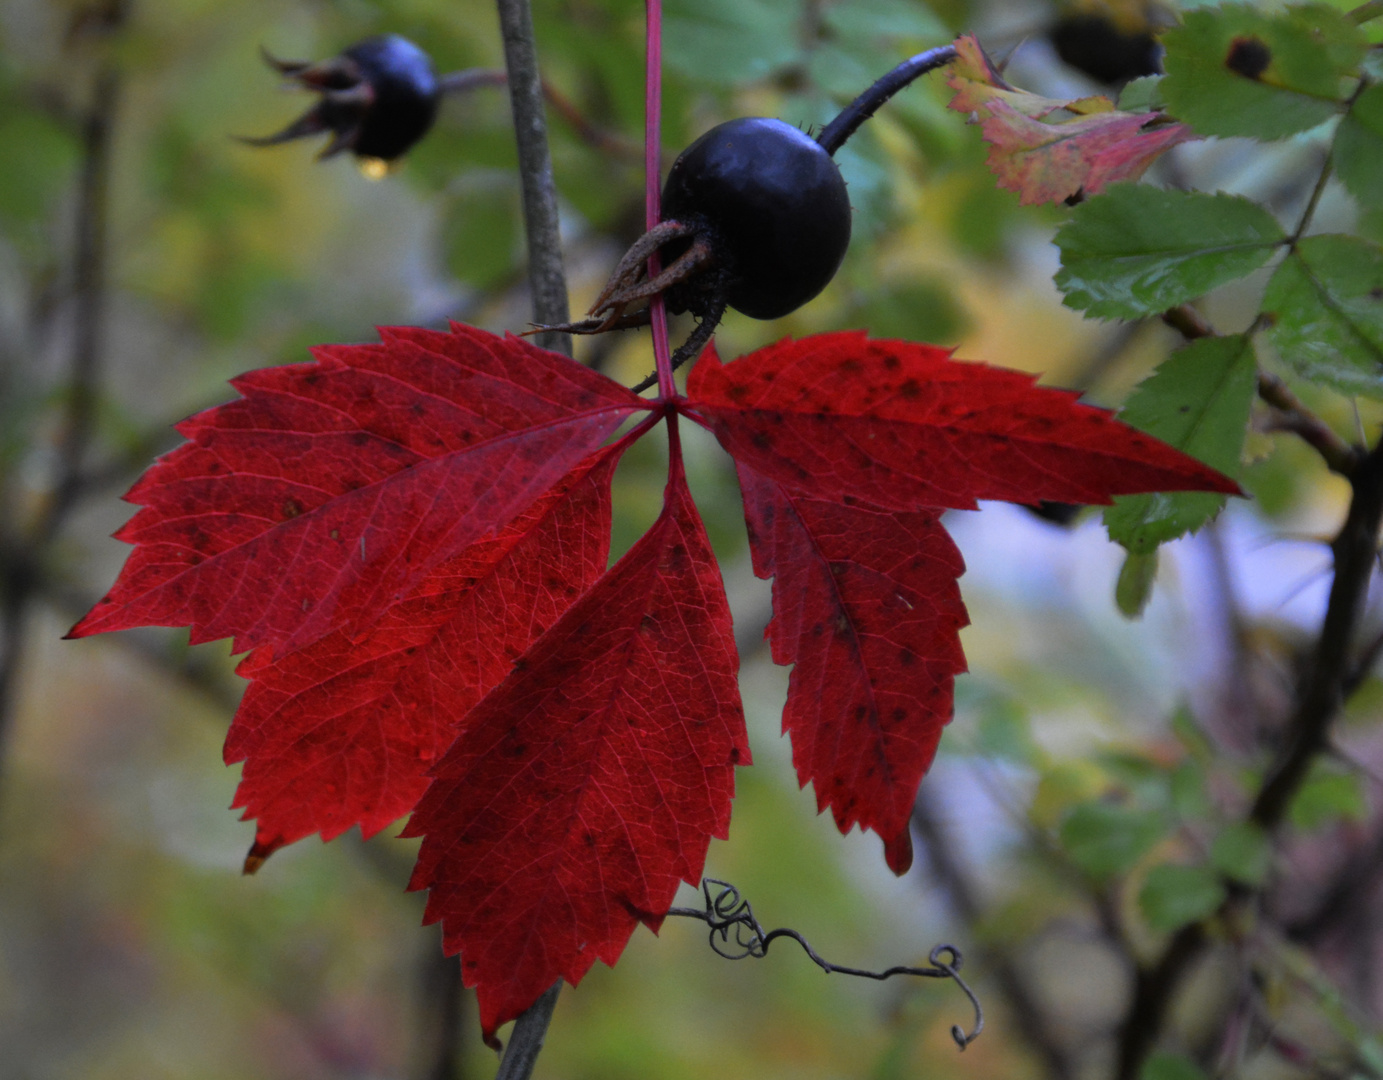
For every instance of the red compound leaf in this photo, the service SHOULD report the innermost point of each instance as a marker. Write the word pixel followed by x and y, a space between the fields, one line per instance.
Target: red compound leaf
pixel 588 784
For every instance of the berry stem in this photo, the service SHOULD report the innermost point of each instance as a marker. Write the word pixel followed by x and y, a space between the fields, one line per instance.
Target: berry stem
pixel 834 134
pixel 652 151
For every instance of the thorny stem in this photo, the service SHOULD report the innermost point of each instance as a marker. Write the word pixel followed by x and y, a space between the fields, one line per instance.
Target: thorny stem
pixel 549 286
pixel 834 134
pixel 541 223
pixel 1320 699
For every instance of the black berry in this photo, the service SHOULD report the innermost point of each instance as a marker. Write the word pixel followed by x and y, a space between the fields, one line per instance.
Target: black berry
pixel 1093 44
pixel 378 98
pixel 772 206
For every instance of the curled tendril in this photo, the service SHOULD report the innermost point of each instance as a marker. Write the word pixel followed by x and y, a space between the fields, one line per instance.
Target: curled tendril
pixel 735 934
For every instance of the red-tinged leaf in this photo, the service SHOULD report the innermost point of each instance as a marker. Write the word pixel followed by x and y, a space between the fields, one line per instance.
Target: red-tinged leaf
pixel 866 606
pixel 331 489
pixel 904 427
pixel 344 731
pixel 1049 163
pixel 589 782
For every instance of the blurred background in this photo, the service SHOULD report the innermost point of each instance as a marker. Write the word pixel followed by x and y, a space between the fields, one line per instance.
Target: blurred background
pixel 146 257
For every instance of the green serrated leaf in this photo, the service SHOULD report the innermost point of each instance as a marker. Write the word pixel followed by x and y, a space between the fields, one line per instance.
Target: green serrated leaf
pixel 1105 840
pixel 1236 70
pixel 1242 853
pixel 1173 896
pixel 1136 250
pixel 1358 153
pixel 1198 400
pixel 1163 1066
pixel 1134 588
pixel 1326 306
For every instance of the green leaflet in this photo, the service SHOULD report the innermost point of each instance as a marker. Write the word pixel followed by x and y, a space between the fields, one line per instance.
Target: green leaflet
pixel 1358 154
pixel 1173 896
pixel 1105 840
pixel 1235 70
pixel 1326 306
pixel 1137 250
pixel 1197 401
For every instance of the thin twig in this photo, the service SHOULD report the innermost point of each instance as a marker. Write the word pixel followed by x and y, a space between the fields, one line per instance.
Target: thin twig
pixel 727 911
pixel 526 1040
pixel 541 222
pixel 549 288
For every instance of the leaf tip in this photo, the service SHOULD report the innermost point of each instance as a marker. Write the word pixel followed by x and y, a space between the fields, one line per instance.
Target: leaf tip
pixel 898 852
pixel 259 854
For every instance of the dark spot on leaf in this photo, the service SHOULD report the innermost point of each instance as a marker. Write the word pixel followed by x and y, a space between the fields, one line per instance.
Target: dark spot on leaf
pixel 910 389
pixel 907 657
pixel 1249 57
pixel 892 363
pixel 900 714
pixel 291 508
pixel 1376 293
pixel 760 440
pixel 588 838
pixel 1183 408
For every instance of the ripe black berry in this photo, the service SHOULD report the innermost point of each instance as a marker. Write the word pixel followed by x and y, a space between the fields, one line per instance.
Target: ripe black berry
pixel 772 206
pixel 1092 43
pixel 379 97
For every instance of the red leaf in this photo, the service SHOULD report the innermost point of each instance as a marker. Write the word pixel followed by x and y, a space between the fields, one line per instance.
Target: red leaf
pixel 344 731
pixel 866 605
pixel 331 489
pixel 902 426
pixel 589 782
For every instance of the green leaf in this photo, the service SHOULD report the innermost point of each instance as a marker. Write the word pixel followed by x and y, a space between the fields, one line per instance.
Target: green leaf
pixel 1143 94
pixel 1135 584
pixel 1164 1066
pixel 1105 840
pixel 1242 853
pixel 730 42
pixel 1173 896
pixel 1235 70
pixel 1199 402
pixel 1136 250
pixel 1359 148
pixel 1325 798
pixel 1326 306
